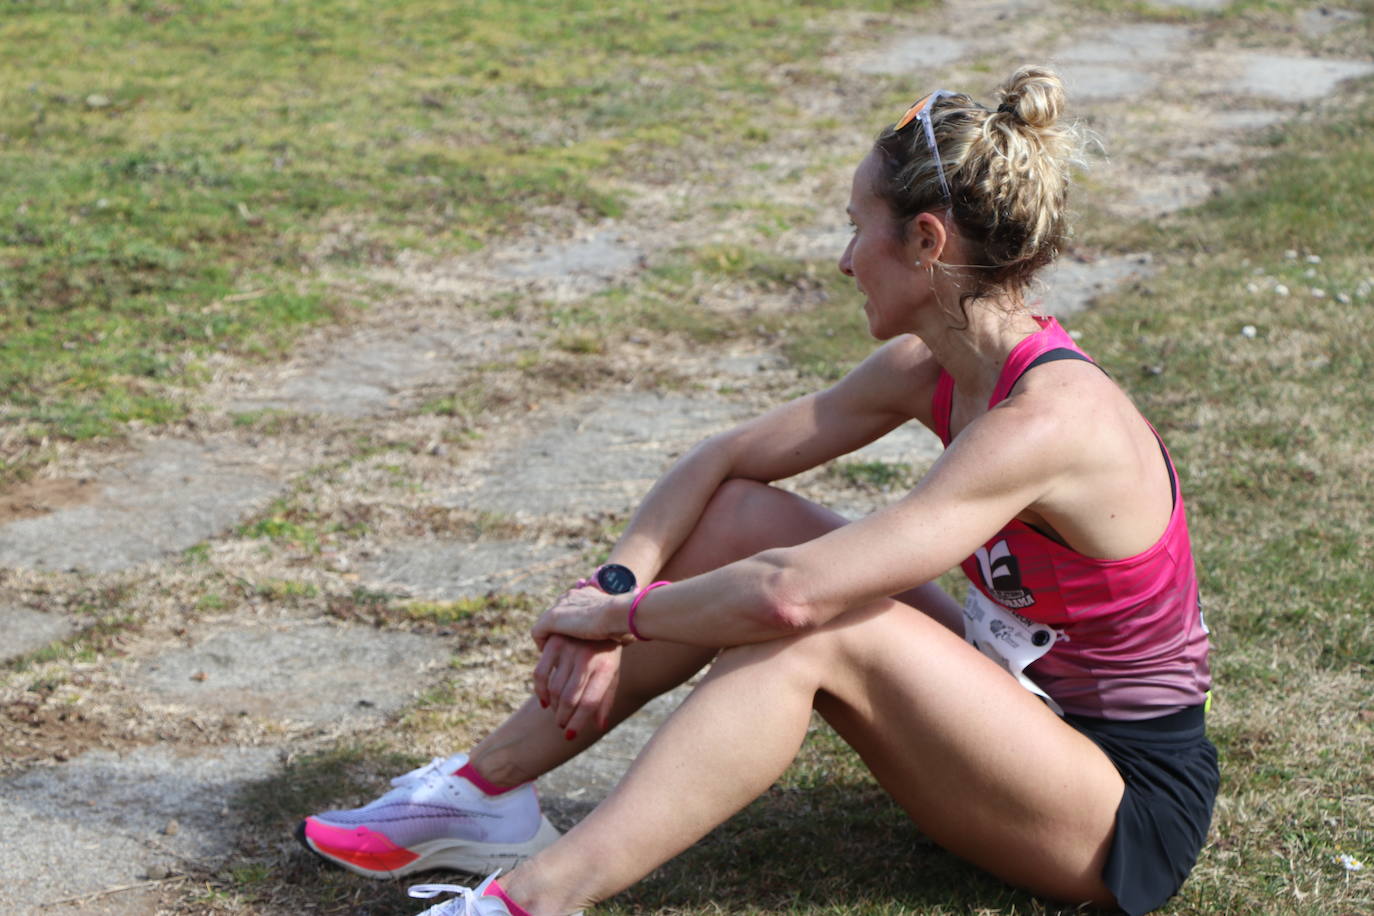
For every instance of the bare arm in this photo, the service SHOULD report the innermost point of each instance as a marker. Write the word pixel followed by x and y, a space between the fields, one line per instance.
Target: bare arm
pixel 1001 464
pixel 890 387
pixel 887 389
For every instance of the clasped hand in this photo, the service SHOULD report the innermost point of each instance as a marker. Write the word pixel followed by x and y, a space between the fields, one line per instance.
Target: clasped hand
pixel 579 662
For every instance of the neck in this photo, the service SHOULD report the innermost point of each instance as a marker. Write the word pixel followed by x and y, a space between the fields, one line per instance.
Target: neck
pixel 974 352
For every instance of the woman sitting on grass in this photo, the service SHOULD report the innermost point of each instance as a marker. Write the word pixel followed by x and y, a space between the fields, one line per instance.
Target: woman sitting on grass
pixel 1050 731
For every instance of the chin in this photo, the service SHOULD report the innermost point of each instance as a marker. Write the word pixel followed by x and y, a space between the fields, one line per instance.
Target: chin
pixel 873 330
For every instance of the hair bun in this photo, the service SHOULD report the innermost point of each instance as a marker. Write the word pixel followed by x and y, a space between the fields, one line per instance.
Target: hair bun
pixel 1003 175
pixel 1034 95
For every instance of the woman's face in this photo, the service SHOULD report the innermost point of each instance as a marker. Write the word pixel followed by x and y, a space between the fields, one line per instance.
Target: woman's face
pixel 879 260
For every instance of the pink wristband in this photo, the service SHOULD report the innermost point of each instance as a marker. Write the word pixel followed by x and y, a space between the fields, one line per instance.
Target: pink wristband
pixel 635 606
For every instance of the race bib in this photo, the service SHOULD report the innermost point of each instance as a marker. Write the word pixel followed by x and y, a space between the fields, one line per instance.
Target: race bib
pixel 1009 639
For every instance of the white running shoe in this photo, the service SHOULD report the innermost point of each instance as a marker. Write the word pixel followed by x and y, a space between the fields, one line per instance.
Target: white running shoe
pixel 469 902
pixel 431 819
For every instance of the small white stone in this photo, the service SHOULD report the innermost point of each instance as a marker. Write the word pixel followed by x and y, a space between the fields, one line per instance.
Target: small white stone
pixel 1280 290
pixel 1314 259
pixel 1318 293
pixel 1248 331
pixel 1309 273
pixel 1343 298
pixel 1076 334
pixel 1252 287
pixel 1291 255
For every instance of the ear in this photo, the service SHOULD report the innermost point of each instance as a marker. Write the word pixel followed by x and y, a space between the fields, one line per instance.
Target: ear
pixel 925 238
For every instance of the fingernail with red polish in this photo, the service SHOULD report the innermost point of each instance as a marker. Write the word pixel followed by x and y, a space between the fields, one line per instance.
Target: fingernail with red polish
pixel 544 703
pixel 570 734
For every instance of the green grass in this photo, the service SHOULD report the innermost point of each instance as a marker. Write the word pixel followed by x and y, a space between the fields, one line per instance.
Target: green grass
pixel 1271 434
pixel 446 612
pixel 100 616
pixel 291 522
pixel 284 591
pixel 184 180
pixel 874 475
pixel 179 177
pixel 813 314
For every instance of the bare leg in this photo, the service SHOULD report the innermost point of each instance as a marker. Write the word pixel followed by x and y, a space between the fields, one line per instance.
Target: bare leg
pixel 743 518
pixel 978 762
pixel 529 743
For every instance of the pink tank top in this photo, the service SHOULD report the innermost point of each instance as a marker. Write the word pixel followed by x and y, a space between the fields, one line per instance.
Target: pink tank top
pixel 1132 643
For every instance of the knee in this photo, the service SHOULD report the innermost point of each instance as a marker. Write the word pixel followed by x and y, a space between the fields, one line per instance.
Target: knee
pixel 805 657
pixel 734 518
pixel 837 655
pixel 737 496
pixel 744 517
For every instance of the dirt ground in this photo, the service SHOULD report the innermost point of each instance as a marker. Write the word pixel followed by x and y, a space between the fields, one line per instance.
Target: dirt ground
pixel 198 597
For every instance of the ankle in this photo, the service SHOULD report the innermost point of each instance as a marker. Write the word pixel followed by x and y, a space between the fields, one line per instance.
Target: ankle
pixel 486 786
pixel 495 768
pixel 526 895
pixel 494 889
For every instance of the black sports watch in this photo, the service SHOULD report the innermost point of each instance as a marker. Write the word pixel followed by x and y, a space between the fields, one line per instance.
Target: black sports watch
pixel 614 579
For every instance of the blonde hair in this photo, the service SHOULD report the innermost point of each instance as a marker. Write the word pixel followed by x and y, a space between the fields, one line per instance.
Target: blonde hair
pixel 1007 170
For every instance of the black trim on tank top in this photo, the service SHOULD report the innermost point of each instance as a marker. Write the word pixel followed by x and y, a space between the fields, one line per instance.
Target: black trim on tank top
pixel 1058 353
pixel 1051 536
pixel 1173 479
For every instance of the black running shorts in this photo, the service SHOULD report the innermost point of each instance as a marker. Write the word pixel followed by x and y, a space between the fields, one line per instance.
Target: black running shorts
pixel 1170 770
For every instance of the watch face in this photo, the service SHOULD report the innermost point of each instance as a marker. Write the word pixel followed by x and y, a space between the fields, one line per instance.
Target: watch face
pixel 615 579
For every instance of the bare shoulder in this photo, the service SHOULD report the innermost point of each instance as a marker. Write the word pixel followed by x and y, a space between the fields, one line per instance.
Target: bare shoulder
pixel 1087 456
pixel 1078 402
pixel 1062 420
pixel 1018 441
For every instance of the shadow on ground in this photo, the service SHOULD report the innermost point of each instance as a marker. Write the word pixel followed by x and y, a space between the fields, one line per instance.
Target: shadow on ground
pixel 845 845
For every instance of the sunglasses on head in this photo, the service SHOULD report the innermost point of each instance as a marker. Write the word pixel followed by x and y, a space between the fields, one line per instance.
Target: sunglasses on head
pixel 921 112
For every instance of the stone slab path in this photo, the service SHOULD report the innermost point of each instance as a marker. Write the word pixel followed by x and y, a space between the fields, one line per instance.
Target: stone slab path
pixel 106 819
pixel 167 496
pixel 310 673
pixel 216 690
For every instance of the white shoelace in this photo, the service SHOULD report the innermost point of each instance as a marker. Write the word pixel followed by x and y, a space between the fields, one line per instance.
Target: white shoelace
pixel 419 774
pixel 465 904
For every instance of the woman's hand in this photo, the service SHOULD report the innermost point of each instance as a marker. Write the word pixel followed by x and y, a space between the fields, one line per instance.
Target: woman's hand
pixel 581 613
pixel 578 678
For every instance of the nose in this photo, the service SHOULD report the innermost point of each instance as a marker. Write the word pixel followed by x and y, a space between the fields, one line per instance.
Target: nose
pixel 847 259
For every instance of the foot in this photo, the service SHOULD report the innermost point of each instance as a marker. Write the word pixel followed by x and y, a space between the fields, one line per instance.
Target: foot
pixel 486 899
pixel 431 819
